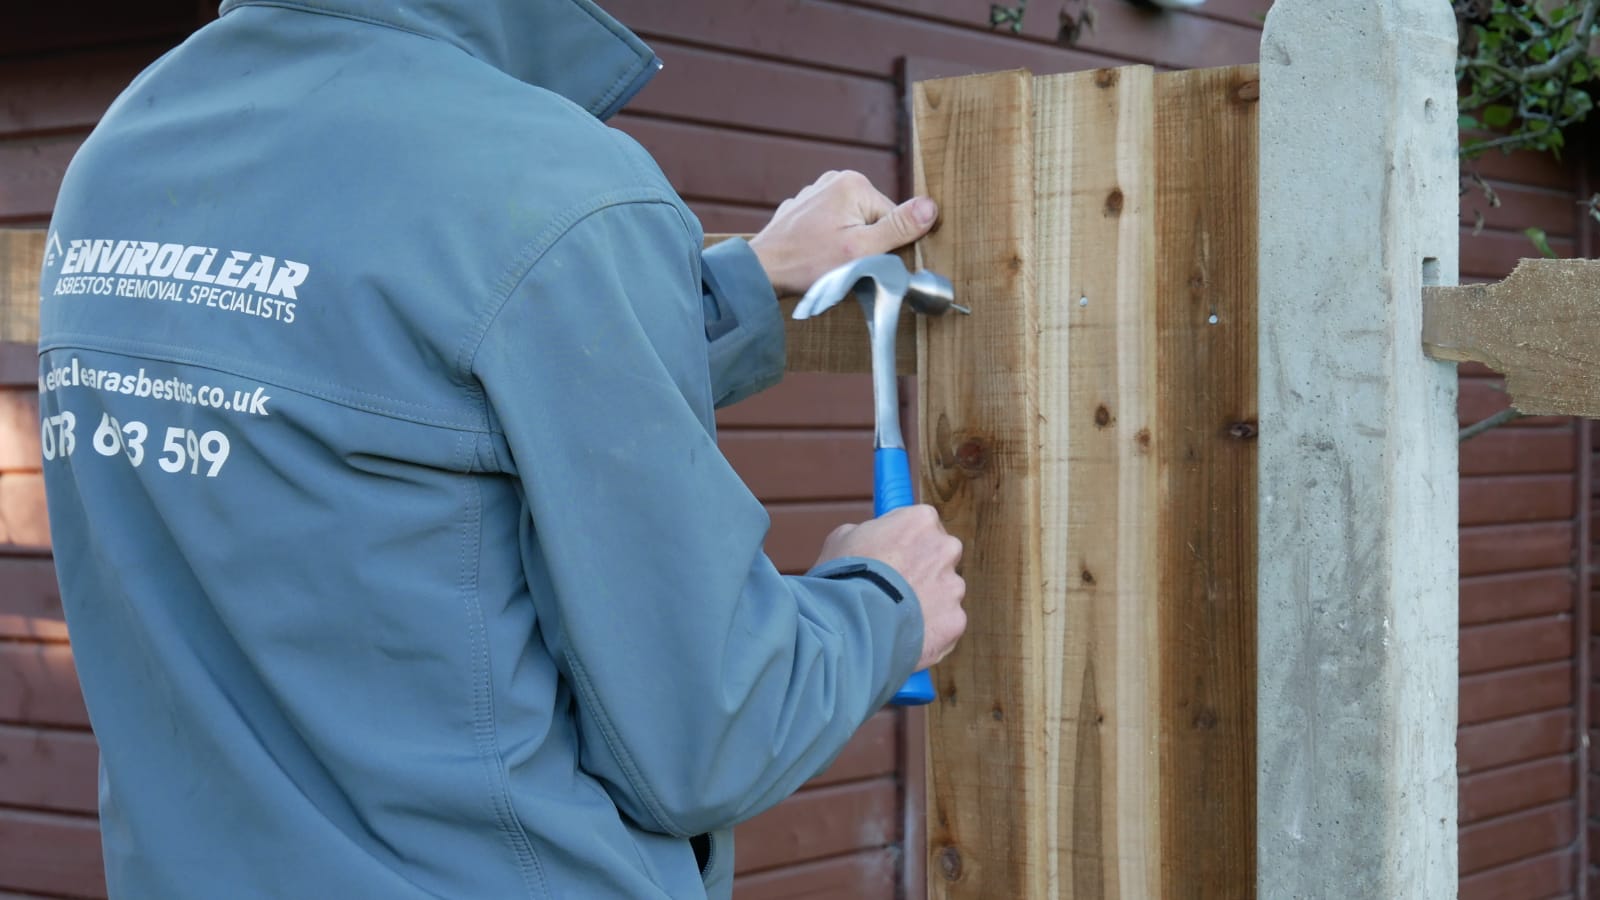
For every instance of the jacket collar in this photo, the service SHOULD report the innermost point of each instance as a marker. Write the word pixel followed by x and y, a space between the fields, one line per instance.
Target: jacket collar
pixel 570 47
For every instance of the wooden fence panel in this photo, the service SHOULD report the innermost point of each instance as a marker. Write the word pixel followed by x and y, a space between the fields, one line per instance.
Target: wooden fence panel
pixel 979 443
pixel 1089 433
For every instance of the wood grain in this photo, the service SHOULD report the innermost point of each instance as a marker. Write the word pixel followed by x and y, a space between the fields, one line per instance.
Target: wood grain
pixel 1205 396
pixel 1499 695
pixel 1516 788
pixel 818 823
pixel 21 257
pixel 48 853
pixel 1530 833
pixel 1550 875
pixel 1509 741
pixel 39 686
pixel 44 768
pixel 1540 327
pixel 30 604
pixel 979 449
pixel 1523 642
pixel 1099 498
pixel 866 875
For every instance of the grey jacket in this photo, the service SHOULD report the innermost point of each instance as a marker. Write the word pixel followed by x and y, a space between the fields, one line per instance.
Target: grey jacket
pixel 377 378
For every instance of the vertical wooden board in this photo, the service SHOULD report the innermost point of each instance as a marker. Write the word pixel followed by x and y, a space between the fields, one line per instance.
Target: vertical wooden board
pixel 973 154
pixel 1205 139
pixel 21 257
pixel 1094 220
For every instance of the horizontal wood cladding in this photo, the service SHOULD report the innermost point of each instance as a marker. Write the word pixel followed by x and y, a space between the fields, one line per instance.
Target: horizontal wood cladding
pixel 1511 451
pixel 1524 167
pixel 1489 549
pixel 805 401
pixel 871 753
pixel 1504 499
pixel 802 465
pixel 865 875
pixel 30 601
pixel 1504 742
pixel 1481 398
pixel 19 430
pixel 707 162
pixel 19 365
pixel 30 175
pixel 39 686
pixel 1494 253
pixel 799 529
pixel 845 37
pixel 728 90
pixel 1520 206
pixel 1513 692
pixel 1495 842
pixel 38 28
pixel 1549 875
pixel 820 822
pixel 68 91
pixel 24 522
pixel 50 853
pixel 1515 788
pixel 1516 595
pixel 1122 31
pixel 48 769
pixel 1506 645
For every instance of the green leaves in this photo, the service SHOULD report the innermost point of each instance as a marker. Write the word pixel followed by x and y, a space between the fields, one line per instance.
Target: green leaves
pixel 1524 69
pixel 1541 241
pixel 1498 115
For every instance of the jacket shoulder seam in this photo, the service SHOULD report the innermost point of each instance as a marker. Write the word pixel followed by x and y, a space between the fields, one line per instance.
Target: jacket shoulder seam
pixel 523 264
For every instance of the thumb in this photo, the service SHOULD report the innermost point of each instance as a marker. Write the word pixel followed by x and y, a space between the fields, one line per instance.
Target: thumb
pixel 904 224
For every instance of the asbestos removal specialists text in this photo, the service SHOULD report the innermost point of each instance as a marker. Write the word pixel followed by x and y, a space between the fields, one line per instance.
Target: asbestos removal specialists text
pixel 233 280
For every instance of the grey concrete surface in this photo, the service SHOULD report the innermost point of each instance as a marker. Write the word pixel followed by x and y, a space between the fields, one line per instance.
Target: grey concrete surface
pixel 1357 621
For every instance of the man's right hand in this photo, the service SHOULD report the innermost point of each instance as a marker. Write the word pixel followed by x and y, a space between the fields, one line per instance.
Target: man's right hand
pixel 914 543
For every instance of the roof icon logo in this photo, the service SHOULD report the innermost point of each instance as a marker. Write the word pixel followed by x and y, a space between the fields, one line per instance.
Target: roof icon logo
pixel 52 248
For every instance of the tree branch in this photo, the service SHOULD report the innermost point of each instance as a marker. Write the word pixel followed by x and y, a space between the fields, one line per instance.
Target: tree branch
pixel 1494 421
pixel 1579 46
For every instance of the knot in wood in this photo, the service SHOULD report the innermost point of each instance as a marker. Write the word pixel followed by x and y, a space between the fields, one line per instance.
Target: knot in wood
pixel 1106 78
pixel 1248 92
pixel 1242 431
pixel 1114 202
pixel 1102 416
pixel 950 863
pixel 972 455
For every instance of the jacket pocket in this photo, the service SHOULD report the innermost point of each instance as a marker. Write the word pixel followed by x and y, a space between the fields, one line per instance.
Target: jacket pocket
pixel 714 853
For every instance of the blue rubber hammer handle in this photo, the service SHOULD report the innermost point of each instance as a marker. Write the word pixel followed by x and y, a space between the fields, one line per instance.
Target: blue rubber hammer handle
pixel 891 489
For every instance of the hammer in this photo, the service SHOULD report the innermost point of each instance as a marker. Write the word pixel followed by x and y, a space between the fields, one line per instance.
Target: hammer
pixel 883 284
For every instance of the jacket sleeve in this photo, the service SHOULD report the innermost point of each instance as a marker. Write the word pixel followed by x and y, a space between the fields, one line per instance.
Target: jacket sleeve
pixel 744 328
pixel 708 686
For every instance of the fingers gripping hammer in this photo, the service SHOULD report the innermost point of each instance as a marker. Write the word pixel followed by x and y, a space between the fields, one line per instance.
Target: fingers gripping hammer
pixel 883 285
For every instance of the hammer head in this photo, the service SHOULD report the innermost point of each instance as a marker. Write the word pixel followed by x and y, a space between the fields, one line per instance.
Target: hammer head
pixel 873 276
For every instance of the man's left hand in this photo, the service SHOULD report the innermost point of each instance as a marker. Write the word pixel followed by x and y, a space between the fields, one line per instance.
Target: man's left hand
pixel 837 218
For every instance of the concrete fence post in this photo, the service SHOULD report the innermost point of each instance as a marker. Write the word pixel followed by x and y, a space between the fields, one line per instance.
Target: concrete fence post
pixel 1357 624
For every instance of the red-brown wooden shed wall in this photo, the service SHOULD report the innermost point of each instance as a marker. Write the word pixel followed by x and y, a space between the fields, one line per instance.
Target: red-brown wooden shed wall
pixel 755 100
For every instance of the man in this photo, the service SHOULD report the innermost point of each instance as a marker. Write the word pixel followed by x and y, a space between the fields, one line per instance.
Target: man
pixel 377 380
